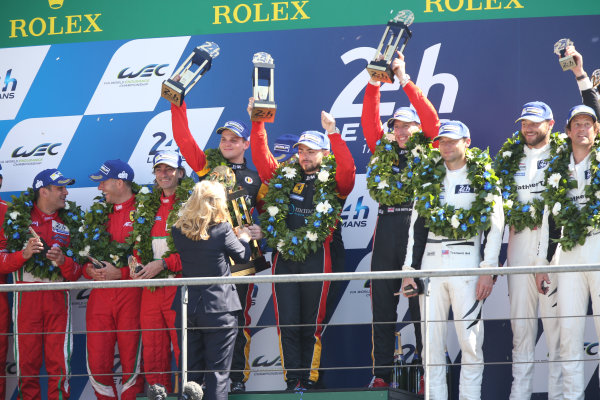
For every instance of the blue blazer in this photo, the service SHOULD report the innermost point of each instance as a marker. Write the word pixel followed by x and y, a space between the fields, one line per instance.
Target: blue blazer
pixel 202 258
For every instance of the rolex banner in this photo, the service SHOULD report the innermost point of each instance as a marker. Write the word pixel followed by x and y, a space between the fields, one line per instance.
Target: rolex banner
pixel 80 83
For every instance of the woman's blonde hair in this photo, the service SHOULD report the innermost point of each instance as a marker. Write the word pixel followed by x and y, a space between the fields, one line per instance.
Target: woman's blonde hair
pixel 207 206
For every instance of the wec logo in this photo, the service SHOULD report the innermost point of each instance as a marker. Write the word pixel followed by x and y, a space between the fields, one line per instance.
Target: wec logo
pixel 145 72
pixel 39 151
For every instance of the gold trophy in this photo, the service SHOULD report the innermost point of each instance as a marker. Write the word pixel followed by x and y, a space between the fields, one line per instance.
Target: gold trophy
pixel 396 30
pixel 239 216
pixel 566 62
pixel 174 89
pixel 264 95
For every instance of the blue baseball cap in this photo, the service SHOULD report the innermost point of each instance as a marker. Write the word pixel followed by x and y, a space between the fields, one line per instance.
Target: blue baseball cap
pixel 236 127
pixel 315 140
pixel 453 130
pixel 536 111
pixel 581 110
pixel 113 169
pixel 167 157
pixel 404 114
pixel 51 176
pixel 284 148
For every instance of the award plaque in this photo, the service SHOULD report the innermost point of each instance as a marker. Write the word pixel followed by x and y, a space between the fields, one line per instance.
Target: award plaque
pixel 263 88
pixel 566 62
pixel 396 30
pixel 184 78
pixel 239 216
pixel 595 78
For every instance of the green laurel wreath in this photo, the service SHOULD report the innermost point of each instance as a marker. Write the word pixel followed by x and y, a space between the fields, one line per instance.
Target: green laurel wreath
pixel 297 244
pixel 446 220
pixel 214 158
pixel 577 223
pixel 97 241
pixel 148 203
pixel 390 187
pixel 16 228
pixel 518 214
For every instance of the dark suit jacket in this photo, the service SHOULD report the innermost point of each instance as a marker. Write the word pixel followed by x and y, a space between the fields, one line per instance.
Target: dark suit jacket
pixel 202 258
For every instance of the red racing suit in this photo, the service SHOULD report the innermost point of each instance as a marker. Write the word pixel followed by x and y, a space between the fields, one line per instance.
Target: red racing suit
pixel 304 303
pixel 4 312
pixel 109 313
pixel 157 317
pixel 42 312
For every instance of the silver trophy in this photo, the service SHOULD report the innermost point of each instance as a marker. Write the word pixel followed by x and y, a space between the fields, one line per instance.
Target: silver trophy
pixel 263 88
pixel 184 78
pixel 596 79
pixel 566 62
pixel 396 31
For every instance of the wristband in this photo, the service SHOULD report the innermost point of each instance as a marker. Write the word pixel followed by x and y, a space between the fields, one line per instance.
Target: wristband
pixel 581 77
pixel 164 263
pixel 405 80
pixel 337 130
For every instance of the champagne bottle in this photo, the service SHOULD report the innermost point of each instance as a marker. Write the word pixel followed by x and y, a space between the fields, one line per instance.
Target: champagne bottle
pixel 415 373
pixel 400 372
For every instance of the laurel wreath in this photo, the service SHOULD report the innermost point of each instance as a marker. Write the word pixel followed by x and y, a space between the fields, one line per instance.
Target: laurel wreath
pixel 214 158
pixel 16 230
pixel 386 183
pixel 297 244
pixel 148 203
pixel 96 239
pixel 446 220
pixel 518 214
pixel 577 223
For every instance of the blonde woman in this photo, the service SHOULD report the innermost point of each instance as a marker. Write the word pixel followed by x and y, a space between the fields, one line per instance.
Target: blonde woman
pixel 205 242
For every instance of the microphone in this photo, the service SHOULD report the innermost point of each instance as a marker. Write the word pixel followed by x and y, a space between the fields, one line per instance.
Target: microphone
pixel 157 392
pixel 192 391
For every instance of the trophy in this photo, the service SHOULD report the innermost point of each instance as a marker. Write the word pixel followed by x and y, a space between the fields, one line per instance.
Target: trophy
pixel 264 97
pixel 595 79
pixel 239 217
pixel 183 80
pixel 396 30
pixel 566 62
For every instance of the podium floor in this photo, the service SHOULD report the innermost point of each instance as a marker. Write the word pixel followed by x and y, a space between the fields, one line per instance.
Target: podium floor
pixel 328 394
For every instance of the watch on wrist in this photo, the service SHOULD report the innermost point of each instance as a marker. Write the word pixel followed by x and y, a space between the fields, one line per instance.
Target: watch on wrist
pixel 164 264
pixel 337 130
pixel 581 77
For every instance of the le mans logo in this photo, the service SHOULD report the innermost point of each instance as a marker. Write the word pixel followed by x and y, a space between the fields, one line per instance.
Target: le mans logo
pixel 55 25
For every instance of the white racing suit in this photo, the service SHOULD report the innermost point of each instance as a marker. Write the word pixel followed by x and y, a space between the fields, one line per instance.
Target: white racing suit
pixel 458 292
pixel 523 295
pixel 575 289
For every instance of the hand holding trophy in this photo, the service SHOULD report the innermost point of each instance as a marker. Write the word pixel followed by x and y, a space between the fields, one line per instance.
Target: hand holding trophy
pixel 595 79
pixel 560 47
pixel 175 89
pixel 264 95
pixel 396 30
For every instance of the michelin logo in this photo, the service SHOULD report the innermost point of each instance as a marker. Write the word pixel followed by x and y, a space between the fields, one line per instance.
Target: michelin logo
pixel 38 184
pixel 122 175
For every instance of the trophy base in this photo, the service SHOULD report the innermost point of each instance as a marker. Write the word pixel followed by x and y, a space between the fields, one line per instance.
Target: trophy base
pixel 173 91
pixel 253 267
pixel 263 111
pixel 567 63
pixel 381 73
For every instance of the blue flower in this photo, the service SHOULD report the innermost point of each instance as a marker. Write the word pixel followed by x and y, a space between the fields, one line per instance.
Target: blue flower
pixel 377 179
pixel 70 214
pixel 433 218
pixel 16 235
pixel 189 191
pixel 388 147
pixel 378 142
pixel 75 218
pixel 422 197
pixel 291 252
pixel 526 208
pixel 595 212
pixel 505 172
pixel 96 236
pixel 369 173
pixel 330 210
pixel 441 211
pixel 388 192
pixel 51 267
pixel 436 176
pixel 277 186
pixel 374 167
pixel 518 142
pixel 70 253
pixel 270 229
pixel 598 173
pixel 505 195
pixel 368 170
pixel 141 220
pixel 483 218
pixel 463 227
pixel 417 160
pixel 98 211
pixel 471 220
pixel 279 176
pixel 549 169
pixel 294 240
pixel 82 214
pixel 97 230
pixel 317 224
pixel 399 185
pixel 427 206
pixel 271 219
pixel 507 188
pixel 410 174
pixel 488 209
pixel 596 181
pixel 280 201
pixel 460 216
pixel 487 186
pixel 318 215
pixel 9 222
pixel 29 204
pixel 85 235
pixel 486 174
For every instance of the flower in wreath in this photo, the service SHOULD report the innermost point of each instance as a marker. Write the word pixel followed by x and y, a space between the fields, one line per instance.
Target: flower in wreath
pixel 312 236
pixel 289 173
pixel 554 180
pixel 382 185
pixel 272 210
pixel 323 175
pixel 323 207
pixel 556 208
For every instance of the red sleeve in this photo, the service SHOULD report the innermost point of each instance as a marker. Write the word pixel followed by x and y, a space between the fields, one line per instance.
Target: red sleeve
pixel 185 141
pixel 345 170
pixel 430 122
pixel 125 273
pixel 84 271
pixel 370 121
pixel 174 263
pixel 70 270
pixel 9 262
pixel 262 158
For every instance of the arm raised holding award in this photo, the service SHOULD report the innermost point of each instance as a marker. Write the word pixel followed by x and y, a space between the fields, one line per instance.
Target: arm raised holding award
pixel 585 84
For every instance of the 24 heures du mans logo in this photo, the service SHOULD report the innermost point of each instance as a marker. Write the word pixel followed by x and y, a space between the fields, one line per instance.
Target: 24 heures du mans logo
pixel 55 25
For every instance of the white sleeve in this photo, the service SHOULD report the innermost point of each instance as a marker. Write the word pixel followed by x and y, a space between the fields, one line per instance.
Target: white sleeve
pixel 542 247
pixel 491 252
pixel 407 264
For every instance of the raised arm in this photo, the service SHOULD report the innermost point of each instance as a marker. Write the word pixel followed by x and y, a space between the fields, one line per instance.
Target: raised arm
pixel 346 170
pixel 588 95
pixel 263 159
pixel 369 119
pixel 185 141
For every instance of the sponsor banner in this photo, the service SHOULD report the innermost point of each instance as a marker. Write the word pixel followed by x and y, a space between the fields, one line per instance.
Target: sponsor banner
pixel 33 145
pixel 18 69
pixel 158 135
pixel 359 216
pixel 132 80
pixel 265 362
pixel 38 22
